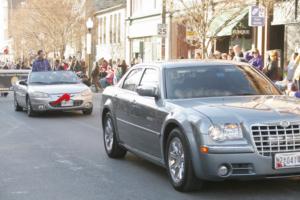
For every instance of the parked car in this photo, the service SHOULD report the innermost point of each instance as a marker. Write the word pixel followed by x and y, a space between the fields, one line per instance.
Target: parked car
pixel 52 91
pixel 203 120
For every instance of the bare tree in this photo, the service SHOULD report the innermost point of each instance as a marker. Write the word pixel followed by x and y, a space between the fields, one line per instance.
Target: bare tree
pixel 200 16
pixel 50 26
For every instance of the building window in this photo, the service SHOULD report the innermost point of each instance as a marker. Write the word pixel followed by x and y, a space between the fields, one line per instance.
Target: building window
pixel 101 30
pixel 115 28
pixel 104 30
pixel 119 28
pixel 110 29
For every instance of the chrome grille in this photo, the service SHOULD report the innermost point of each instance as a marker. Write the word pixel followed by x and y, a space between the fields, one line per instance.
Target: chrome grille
pixel 275 138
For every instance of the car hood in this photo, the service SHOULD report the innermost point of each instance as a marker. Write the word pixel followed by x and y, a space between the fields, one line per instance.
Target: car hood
pixel 249 109
pixel 58 89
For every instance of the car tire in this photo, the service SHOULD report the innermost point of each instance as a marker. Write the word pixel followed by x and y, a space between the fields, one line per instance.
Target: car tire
pixel 29 110
pixel 111 145
pixel 87 111
pixel 16 105
pixel 178 157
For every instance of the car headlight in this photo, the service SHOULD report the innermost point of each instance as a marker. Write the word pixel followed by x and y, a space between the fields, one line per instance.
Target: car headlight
pixel 86 92
pixel 228 131
pixel 39 95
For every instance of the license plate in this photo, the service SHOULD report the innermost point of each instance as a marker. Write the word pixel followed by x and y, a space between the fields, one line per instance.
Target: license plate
pixel 287 160
pixel 67 103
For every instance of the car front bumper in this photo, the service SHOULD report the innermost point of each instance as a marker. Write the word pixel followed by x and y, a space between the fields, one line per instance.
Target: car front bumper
pixel 243 163
pixel 44 104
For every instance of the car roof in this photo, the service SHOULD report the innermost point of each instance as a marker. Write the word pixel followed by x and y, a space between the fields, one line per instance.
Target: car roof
pixel 190 63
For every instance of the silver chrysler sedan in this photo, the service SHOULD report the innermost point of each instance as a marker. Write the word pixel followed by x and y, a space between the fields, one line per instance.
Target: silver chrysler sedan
pixel 52 91
pixel 203 120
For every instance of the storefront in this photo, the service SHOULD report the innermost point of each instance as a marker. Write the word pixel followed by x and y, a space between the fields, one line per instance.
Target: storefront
pixel 237 32
pixel 146 48
pixel 286 22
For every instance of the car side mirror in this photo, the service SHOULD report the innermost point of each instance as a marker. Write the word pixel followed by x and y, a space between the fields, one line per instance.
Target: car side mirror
pixel 23 82
pixel 148 91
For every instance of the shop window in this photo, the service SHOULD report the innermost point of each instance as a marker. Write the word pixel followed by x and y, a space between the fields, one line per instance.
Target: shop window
pixel 119 28
pixel 104 30
pixel 101 30
pixel 115 29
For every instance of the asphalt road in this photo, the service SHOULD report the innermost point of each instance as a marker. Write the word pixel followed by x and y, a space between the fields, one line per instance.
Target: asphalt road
pixel 61 157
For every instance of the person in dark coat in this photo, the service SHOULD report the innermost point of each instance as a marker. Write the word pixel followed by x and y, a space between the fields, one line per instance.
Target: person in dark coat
pixel 272 70
pixel 41 64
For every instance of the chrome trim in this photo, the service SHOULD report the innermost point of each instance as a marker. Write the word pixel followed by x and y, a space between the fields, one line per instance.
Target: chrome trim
pixel 137 126
pixel 230 149
pixel 272 138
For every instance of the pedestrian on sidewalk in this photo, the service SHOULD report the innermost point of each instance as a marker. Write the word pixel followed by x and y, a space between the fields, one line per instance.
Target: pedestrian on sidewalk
pixel 256 60
pixel 271 69
pixel 41 63
pixel 57 66
pixel 121 70
pixel 296 78
pixel 238 54
pixel 108 79
pixel 95 77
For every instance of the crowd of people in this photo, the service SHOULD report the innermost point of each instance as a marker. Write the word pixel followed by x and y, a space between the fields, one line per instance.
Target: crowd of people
pixel 109 72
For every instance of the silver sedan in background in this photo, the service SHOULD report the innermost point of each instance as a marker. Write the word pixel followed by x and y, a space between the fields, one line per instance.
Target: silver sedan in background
pixel 52 91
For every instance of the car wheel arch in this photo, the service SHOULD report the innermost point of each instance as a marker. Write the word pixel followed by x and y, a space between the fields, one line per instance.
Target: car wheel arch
pixel 186 128
pixel 168 128
pixel 104 113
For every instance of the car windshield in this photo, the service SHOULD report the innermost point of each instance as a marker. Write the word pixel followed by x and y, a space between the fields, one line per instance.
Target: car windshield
pixel 53 77
pixel 216 81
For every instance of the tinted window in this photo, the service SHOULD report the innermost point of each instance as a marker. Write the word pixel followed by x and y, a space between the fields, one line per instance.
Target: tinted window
pixel 150 77
pixel 53 77
pixel 133 79
pixel 214 81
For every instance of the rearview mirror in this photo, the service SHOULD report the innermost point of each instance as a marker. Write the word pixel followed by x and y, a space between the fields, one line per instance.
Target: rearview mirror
pixel 23 82
pixel 147 90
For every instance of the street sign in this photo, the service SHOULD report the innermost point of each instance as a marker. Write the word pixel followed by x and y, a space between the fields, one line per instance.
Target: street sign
pixel 162 30
pixel 257 16
pixel 190 35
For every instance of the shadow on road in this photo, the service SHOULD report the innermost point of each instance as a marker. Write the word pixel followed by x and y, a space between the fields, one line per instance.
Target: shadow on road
pixel 229 189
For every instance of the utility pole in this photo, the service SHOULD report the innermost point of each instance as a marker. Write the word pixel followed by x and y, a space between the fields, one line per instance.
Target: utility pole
pixel 163 39
pixel 296 9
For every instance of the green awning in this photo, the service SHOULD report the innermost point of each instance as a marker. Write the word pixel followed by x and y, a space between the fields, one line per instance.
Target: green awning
pixel 231 16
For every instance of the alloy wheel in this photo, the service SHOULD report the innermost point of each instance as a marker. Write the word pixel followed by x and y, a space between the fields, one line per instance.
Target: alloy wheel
pixel 176 162
pixel 109 134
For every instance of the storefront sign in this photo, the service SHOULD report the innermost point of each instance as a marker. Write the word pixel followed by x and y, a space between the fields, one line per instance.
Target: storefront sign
pixel 190 34
pixel 162 30
pixel 241 32
pixel 256 16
